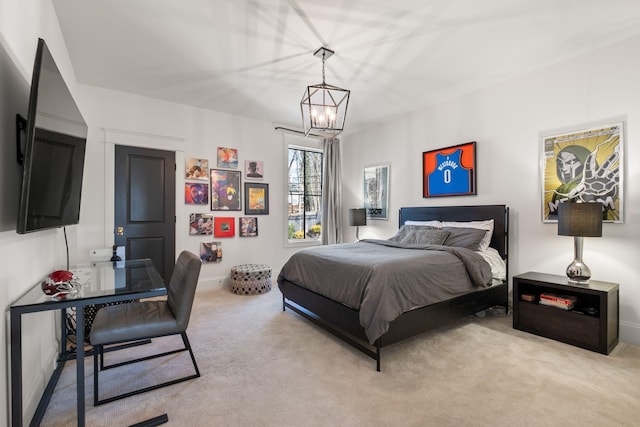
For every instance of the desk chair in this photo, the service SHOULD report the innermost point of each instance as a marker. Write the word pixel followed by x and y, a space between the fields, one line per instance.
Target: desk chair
pixel 144 320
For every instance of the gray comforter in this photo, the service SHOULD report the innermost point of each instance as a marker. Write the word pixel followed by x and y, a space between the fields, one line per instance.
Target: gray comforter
pixel 383 279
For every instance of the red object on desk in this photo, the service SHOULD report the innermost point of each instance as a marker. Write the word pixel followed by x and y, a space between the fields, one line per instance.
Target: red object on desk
pixel 60 282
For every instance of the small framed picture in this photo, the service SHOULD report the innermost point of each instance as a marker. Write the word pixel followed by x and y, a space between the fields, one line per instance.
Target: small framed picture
pixel 253 169
pixel 248 226
pixel 200 224
pixel 210 252
pixel 197 169
pixel 376 191
pixel 224 226
pixel 227 157
pixel 225 190
pixel 196 193
pixel 256 198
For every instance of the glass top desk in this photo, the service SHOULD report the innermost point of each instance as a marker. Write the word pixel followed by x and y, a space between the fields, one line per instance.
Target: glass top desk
pixel 101 282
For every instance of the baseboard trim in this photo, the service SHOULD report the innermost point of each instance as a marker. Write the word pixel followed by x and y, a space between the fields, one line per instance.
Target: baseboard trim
pixel 630 332
pixel 213 282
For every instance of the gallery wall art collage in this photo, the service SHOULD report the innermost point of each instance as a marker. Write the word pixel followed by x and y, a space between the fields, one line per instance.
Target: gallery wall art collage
pixel 220 189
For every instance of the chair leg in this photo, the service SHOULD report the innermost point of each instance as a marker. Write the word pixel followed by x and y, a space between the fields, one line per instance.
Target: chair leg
pixel 101 356
pixel 96 350
pixel 187 345
pixel 100 352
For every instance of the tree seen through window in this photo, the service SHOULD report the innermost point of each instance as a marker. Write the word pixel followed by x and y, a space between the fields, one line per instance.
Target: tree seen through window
pixel 304 194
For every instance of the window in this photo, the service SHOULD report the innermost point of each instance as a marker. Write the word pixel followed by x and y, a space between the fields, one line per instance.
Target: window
pixel 304 195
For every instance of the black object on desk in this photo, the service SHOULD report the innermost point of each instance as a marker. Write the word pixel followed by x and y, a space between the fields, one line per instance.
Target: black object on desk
pixel 110 282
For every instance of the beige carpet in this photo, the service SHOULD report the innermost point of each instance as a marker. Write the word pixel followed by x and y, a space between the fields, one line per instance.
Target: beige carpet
pixel 264 367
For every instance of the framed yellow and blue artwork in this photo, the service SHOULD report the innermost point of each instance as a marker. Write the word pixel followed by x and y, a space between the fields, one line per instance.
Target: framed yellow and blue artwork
pixel 583 165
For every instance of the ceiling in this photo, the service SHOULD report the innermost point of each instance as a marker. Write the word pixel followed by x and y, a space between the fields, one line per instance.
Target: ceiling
pixel 255 57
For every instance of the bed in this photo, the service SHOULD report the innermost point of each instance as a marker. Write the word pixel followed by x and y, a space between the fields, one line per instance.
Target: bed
pixel 328 298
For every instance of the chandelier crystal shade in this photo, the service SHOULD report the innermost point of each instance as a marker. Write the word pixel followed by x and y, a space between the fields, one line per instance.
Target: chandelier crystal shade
pixel 324 106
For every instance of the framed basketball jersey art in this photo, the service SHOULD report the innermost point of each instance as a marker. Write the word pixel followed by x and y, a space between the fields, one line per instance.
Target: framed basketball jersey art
pixel 449 171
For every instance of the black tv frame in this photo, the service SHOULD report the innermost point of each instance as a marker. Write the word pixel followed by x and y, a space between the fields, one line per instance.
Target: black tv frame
pixel 61 125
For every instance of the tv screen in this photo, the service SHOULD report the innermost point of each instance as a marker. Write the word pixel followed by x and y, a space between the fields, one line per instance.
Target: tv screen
pixel 54 151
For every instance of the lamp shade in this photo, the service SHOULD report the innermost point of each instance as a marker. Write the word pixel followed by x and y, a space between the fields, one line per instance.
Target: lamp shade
pixel 580 219
pixel 357 217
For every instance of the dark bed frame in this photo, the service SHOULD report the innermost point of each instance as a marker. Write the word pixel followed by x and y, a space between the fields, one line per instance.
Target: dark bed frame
pixel 343 321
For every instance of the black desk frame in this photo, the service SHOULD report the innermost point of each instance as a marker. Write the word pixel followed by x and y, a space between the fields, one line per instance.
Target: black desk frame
pixel 153 288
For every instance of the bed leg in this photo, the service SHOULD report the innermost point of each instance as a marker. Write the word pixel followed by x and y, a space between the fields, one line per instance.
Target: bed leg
pixel 284 306
pixel 378 348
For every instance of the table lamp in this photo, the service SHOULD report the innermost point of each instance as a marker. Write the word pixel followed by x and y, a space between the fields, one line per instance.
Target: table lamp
pixel 357 217
pixel 579 220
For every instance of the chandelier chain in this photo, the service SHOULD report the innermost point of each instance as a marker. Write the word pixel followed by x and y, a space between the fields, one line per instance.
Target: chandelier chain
pixel 323 54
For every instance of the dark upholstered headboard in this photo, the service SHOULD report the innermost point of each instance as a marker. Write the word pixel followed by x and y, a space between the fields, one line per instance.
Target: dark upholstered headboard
pixel 499 214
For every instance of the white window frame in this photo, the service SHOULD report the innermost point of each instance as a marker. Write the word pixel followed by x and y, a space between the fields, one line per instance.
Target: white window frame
pixel 301 143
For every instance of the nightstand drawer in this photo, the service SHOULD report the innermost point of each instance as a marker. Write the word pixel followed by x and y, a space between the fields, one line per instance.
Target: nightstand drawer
pixel 558 324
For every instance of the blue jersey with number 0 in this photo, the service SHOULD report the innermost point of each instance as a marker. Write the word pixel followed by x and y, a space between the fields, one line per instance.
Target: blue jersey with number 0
pixel 449 177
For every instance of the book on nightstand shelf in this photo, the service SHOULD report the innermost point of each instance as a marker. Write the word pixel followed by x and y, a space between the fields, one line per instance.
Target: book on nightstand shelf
pixel 565 302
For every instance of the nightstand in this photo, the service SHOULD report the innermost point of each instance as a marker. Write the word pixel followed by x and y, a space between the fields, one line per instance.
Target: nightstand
pixel 591 324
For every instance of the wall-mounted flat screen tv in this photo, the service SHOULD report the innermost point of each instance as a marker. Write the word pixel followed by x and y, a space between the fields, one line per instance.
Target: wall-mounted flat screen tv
pixel 54 151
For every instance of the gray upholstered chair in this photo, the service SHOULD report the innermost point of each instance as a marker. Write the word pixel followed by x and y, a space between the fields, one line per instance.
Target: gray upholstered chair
pixel 144 320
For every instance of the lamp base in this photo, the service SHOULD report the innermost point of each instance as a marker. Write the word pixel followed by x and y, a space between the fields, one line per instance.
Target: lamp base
pixel 578 272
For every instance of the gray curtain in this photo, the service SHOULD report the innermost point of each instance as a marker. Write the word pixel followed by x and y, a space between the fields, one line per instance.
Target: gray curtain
pixel 331 193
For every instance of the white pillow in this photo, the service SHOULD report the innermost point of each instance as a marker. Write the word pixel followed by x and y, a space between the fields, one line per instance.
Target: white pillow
pixel 434 223
pixel 482 225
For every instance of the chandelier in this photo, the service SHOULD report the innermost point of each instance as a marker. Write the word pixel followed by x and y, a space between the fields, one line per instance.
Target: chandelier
pixel 324 106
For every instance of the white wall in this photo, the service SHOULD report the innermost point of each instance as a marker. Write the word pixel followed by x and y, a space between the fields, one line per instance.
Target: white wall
pixel 506 121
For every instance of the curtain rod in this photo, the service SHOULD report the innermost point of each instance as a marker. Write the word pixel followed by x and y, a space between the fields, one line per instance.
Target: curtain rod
pixel 299 132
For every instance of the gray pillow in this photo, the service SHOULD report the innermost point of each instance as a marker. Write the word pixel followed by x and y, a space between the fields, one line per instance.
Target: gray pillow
pixel 426 236
pixel 406 229
pixel 469 238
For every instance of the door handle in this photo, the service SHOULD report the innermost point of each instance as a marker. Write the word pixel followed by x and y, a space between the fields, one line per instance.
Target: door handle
pixel 120 231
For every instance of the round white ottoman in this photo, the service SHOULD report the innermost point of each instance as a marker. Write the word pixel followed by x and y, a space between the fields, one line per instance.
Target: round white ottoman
pixel 250 279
